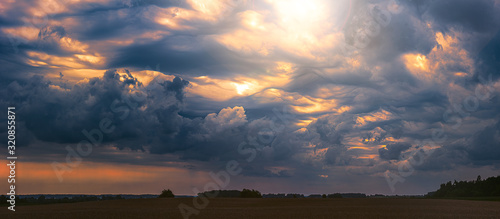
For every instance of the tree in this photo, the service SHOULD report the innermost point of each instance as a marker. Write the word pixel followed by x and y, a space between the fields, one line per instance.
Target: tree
pixel 324 196
pixel 41 198
pixel 247 193
pixel 166 194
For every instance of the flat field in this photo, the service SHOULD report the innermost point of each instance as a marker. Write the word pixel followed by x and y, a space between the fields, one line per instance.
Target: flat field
pixel 265 208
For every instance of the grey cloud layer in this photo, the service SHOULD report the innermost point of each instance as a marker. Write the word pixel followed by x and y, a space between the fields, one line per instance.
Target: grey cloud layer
pixel 197 129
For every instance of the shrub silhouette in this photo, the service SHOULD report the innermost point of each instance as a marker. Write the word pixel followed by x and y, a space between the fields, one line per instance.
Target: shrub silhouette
pixel 247 193
pixel 166 194
pixel 41 198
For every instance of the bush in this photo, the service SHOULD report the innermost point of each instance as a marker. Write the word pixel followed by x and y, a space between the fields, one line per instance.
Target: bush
pixel 41 198
pixel 247 193
pixel 166 194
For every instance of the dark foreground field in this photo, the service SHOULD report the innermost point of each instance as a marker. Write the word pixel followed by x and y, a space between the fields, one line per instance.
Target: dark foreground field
pixel 265 208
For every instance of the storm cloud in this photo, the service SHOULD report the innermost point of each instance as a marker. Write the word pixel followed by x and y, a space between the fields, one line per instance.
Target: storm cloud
pixel 327 93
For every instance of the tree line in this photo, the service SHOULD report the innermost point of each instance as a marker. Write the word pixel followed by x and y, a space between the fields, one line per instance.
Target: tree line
pixel 45 200
pixel 245 193
pixel 475 188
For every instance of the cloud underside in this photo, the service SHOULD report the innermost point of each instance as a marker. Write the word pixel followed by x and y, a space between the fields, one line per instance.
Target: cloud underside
pixel 193 81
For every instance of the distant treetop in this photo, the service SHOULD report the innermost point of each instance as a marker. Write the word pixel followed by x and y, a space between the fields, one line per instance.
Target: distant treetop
pixel 166 194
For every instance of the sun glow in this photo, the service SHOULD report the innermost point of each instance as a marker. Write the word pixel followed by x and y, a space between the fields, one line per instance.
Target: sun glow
pixel 241 88
pixel 304 15
pixel 300 17
pixel 297 10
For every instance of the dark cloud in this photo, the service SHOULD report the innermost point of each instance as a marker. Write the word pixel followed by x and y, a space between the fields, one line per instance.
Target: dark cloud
pixel 485 144
pixel 194 59
pixel 478 16
pixel 51 31
pixel 58 115
pixel 111 24
pixel 393 151
pixel 488 59
pixel 146 118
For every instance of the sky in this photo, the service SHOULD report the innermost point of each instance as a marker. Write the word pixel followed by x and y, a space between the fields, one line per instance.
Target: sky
pixel 313 97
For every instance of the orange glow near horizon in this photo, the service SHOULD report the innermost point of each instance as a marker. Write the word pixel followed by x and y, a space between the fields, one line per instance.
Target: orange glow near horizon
pixel 101 178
